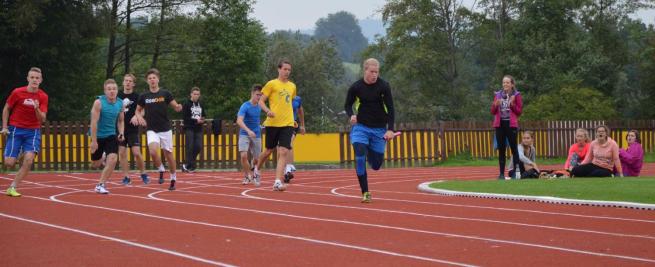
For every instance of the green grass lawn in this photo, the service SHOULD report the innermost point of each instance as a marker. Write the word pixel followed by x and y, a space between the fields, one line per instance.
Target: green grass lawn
pixel 466 160
pixel 641 190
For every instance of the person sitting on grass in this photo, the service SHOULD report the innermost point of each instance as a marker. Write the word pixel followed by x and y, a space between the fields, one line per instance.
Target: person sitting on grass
pixel 579 150
pixel 527 156
pixel 633 157
pixel 602 158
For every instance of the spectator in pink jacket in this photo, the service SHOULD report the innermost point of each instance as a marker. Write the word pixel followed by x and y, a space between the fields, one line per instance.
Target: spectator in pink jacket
pixel 633 157
pixel 603 157
pixel 579 150
pixel 506 108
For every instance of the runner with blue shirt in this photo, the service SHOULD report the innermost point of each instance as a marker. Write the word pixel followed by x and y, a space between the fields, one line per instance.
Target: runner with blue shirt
pixel 250 135
pixel 299 127
pixel 373 125
pixel 106 114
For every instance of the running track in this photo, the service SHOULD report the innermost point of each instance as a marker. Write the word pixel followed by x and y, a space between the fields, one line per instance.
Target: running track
pixel 213 220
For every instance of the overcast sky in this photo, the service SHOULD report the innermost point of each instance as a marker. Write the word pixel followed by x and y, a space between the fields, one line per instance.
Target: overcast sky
pixel 303 14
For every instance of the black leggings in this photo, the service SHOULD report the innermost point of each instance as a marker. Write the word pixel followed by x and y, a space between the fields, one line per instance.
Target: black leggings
pixel 504 132
pixel 590 170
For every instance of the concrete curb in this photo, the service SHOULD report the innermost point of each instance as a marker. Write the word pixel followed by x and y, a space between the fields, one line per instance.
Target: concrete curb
pixel 425 187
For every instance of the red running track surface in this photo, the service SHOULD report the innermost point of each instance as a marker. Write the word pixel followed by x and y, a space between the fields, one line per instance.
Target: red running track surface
pixel 211 219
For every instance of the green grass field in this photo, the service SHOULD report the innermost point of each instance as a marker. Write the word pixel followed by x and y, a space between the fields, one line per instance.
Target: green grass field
pixel 641 190
pixel 466 160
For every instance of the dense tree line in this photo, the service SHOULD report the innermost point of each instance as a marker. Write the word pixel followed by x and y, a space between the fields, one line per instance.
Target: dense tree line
pixel 573 59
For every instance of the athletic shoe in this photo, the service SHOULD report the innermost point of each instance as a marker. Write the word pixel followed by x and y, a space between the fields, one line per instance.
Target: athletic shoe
pixel 172 187
pixel 501 177
pixel 145 178
pixel 100 189
pixel 366 197
pixel 278 186
pixel 11 191
pixel 246 180
pixel 256 179
pixel 126 180
pixel 184 169
pixel 287 177
pixel 161 177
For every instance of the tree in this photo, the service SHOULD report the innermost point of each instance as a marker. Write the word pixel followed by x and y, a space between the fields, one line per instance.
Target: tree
pixel 44 34
pixel 343 28
pixel 571 103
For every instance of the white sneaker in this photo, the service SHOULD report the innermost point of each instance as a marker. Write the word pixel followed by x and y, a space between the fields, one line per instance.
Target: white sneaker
pixel 257 179
pixel 246 180
pixel 278 186
pixel 100 189
pixel 292 168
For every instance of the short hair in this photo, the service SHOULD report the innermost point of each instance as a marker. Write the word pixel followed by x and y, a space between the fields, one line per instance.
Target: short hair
pixel 35 69
pixel 195 88
pixel 637 138
pixel 530 133
pixel 282 62
pixel 256 87
pixel 153 71
pixel 109 81
pixel 585 132
pixel 131 76
pixel 370 62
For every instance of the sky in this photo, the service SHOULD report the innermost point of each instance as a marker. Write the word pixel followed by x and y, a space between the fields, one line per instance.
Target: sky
pixel 303 14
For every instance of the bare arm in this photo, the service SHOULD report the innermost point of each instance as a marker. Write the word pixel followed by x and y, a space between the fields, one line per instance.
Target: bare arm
pixel 262 104
pixel 137 119
pixel 40 115
pixel 243 126
pixel 95 116
pixel 177 107
pixel 301 117
pixel 5 118
pixel 121 124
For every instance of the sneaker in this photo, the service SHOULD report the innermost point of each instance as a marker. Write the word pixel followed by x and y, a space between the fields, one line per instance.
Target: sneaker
pixel 161 177
pixel 126 180
pixel 501 177
pixel 246 180
pixel 366 197
pixel 145 178
pixel 11 191
pixel 278 186
pixel 100 189
pixel 256 179
pixel 287 177
pixel 172 187
pixel 184 169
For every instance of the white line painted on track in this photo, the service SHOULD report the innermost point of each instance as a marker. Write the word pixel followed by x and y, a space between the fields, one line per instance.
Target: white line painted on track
pixel 122 241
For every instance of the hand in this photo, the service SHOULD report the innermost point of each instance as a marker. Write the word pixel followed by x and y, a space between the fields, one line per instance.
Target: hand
pixel 353 119
pixel 270 114
pixel 137 120
pixel 201 121
pixel 511 101
pixel 252 134
pixel 94 146
pixel 36 104
pixel 388 135
pixel 498 102
pixel 121 137
pixel 302 130
pixel 4 131
pixel 178 108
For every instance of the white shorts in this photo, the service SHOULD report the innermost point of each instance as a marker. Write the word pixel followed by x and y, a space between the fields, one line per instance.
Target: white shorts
pixel 164 139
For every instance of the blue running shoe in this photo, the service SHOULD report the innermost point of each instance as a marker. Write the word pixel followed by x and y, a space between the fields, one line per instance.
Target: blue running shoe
pixel 145 178
pixel 161 177
pixel 126 180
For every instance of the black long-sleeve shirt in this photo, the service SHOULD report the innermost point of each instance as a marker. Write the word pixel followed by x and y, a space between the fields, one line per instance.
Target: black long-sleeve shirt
pixel 373 98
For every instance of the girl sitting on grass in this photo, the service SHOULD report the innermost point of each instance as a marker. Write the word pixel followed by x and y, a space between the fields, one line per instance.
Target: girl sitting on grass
pixel 579 150
pixel 633 157
pixel 527 157
pixel 602 158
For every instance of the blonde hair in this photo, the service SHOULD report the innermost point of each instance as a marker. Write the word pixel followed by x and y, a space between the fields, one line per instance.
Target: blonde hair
pixel 585 132
pixel 35 69
pixel 109 81
pixel 130 75
pixel 370 62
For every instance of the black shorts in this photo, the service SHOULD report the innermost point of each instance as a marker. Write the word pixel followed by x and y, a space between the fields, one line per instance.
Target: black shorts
pixel 131 139
pixel 106 145
pixel 278 136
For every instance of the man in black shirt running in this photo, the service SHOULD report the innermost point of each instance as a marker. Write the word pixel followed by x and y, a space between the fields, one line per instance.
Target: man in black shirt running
pixel 132 138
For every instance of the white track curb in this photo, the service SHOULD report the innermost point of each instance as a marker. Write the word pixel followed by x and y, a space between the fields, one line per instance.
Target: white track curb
pixel 425 187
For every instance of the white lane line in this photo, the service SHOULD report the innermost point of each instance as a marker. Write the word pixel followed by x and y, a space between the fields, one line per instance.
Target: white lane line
pixel 126 242
pixel 322 242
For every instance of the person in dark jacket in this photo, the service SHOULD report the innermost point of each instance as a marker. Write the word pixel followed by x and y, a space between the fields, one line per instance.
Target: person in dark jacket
pixel 194 117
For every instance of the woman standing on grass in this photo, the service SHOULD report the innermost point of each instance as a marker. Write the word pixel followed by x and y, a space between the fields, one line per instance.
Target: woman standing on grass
pixel 506 108
pixel 603 157
pixel 633 157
